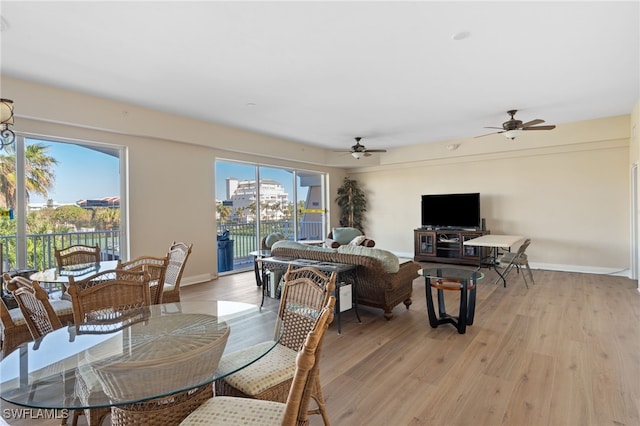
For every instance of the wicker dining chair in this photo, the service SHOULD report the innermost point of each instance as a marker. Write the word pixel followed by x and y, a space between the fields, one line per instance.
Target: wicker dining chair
pixel 78 254
pixel 39 315
pixel 15 330
pixel 34 304
pixel 178 255
pixel 108 293
pixel 157 268
pixel 229 410
pixel 306 292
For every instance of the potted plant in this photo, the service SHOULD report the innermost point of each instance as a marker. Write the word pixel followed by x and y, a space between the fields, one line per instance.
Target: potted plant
pixel 353 203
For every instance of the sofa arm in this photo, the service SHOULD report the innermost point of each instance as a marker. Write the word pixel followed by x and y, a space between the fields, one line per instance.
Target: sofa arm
pixel 407 273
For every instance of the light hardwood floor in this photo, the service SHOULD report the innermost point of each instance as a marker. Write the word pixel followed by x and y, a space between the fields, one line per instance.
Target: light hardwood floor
pixel 566 351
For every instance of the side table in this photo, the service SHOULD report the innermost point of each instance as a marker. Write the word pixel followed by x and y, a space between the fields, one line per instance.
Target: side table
pixel 452 279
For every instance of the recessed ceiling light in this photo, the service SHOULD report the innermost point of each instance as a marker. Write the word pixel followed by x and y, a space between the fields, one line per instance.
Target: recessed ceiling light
pixel 250 104
pixel 461 35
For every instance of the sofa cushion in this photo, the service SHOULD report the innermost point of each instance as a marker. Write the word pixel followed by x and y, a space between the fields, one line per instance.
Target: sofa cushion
pixel 345 235
pixel 289 245
pixel 389 260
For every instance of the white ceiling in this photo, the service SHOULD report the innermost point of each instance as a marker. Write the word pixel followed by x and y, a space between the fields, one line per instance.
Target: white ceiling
pixel 322 73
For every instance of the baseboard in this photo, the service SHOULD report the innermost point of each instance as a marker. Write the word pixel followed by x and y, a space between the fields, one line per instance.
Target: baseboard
pixel 622 272
pixel 625 272
pixel 195 279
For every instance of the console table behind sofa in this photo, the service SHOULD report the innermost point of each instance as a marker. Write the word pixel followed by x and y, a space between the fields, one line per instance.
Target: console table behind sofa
pixel 376 287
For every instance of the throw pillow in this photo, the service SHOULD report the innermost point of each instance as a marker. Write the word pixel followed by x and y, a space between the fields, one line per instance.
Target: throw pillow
pixel 357 240
pixel 272 238
pixel 389 260
pixel 345 235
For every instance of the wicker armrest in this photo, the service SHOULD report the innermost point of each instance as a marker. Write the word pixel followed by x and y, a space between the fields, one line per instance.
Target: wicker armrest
pixel 407 271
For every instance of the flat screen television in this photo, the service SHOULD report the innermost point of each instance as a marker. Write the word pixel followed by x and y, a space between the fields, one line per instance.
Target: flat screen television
pixel 460 211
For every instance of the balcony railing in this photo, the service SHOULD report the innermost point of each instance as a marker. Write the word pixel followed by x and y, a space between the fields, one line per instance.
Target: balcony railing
pixel 40 247
pixel 245 241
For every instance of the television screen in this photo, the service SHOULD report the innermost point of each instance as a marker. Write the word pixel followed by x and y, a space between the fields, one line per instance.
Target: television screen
pixel 451 210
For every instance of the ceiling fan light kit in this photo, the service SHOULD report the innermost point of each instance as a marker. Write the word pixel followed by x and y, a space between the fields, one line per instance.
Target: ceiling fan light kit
pixel 512 134
pixel 358 150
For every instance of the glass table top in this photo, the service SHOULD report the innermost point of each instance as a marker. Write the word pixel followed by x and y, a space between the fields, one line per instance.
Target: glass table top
pixel 147 353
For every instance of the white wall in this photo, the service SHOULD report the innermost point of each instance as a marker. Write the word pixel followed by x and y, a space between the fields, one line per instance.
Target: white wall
pixel 571 199
pixel 567 189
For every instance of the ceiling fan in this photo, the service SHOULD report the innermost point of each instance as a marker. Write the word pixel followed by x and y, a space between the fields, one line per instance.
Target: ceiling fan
pixel 512 127
pixel 358 150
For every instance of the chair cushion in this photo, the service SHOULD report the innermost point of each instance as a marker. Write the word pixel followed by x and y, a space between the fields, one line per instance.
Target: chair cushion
pixel 345 235
pixel 389 260
pixel 277 366
pixel 228 411
pixel 61 307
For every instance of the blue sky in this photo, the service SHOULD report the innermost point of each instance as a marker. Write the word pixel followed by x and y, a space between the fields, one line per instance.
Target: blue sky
pixel 81 173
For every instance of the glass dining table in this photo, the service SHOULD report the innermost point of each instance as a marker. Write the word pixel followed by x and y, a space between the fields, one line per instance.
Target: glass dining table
pixel 142 355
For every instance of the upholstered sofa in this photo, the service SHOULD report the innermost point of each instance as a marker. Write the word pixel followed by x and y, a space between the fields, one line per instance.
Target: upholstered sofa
pixel 382 282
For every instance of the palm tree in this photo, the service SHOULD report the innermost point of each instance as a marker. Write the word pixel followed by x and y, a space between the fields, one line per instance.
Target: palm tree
pixel 39 173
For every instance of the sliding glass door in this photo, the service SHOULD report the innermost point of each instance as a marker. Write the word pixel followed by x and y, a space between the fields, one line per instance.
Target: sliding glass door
pixel 255 200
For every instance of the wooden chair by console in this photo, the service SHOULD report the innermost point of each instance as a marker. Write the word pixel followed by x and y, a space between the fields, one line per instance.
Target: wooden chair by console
pixel 157 268
pixel 15 329
pixel 78 254
pixel 178 255
pixel 108 293
pixel 228 411
pixel 306 292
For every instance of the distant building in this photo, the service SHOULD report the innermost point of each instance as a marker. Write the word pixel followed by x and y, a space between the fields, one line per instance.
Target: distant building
pixel 112 202
pixel 243 194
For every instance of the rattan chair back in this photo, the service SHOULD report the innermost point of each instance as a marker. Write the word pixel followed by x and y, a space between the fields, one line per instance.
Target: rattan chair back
pixel 306 292
pixel 157 268
pixel 78 254
pixel 178 255
pixel 107 292
pixel 295 411
pixel 34 304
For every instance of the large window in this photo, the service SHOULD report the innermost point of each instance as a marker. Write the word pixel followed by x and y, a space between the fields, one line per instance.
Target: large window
pixel 54 194
pixel 255 200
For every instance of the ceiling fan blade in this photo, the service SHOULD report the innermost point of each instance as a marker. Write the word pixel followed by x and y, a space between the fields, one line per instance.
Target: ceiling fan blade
pixel 532 123
pixel 367 154
pixel 501 128
pixel 487 134
pixel 375 150
pixel 550 127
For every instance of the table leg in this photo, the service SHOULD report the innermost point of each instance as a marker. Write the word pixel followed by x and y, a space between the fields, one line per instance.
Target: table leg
pixel 462 314
pixel 471 308
pixel 257 269
pixel 338 310
pixel 433 321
